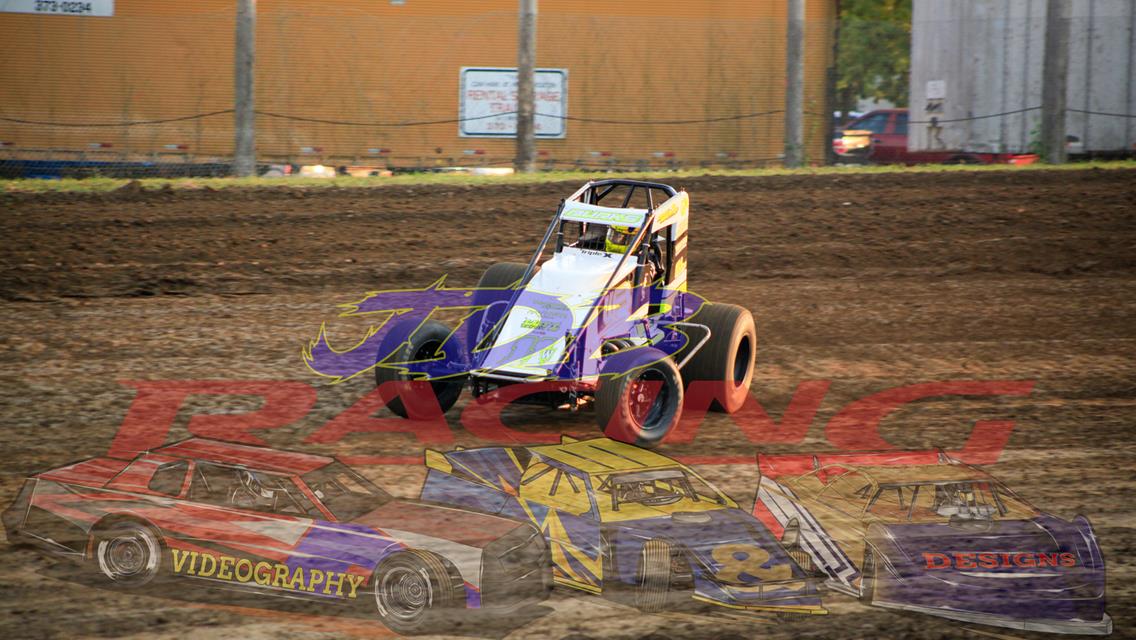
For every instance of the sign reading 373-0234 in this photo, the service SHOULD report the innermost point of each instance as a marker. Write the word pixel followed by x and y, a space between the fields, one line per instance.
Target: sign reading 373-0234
pixel 97 8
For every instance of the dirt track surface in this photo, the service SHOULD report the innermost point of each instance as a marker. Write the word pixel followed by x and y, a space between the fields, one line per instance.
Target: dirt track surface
pixel 869 282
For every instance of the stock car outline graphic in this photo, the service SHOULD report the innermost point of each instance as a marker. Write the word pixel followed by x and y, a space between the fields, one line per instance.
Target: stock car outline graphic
pixel 281 523
pixel 613 523
pixel 959 545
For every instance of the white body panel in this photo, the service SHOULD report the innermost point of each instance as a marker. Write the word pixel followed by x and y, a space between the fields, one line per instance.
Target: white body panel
pixel 577 277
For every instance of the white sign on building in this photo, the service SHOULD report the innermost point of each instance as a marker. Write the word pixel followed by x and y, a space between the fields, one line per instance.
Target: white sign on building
pixel 487 103
pixel 97 8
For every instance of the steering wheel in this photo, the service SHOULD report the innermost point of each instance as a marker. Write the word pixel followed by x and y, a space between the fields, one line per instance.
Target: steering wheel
pixel 661 498
pixel 249 493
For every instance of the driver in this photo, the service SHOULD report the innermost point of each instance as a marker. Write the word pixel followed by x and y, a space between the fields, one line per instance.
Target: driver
pixel 619 238
pixel 619 241
pixel 960 500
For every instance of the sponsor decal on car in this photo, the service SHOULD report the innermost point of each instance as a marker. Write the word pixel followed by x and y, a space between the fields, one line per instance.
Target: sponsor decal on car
pixel 280 576
pixel 603 215
pixel 976 560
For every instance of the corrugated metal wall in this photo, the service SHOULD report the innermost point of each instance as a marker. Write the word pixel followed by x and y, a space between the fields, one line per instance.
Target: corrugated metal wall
pixel 989 53
pixel 374 61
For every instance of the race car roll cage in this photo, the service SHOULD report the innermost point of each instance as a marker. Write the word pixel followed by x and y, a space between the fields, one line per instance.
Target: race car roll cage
pixel 592 193
pixel 872 491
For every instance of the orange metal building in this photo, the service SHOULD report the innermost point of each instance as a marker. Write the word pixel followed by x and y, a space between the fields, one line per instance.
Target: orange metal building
pixel 384 62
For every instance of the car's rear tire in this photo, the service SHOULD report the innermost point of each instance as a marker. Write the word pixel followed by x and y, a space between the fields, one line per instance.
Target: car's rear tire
pixel 128 554
pixel 423 344
pixel 413 591
pixel 868 577
pixel 498 276
pixel 653 581
pixel 724 366
pixel 639 398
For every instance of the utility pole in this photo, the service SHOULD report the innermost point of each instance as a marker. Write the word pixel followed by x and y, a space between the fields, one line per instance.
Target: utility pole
pixel 795 85
pixel 1053 77
pixel 832 102
pixel 526 90
pixel 244 107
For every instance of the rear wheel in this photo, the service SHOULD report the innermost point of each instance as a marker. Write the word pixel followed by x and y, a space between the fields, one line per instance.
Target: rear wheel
pixel 639 398
pixel 724 366
pixel 424 344
pixel 653 583
pixel 128 554
pixel 412 591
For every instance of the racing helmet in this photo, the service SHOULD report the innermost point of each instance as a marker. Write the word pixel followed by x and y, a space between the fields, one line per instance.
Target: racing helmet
pixel 618 238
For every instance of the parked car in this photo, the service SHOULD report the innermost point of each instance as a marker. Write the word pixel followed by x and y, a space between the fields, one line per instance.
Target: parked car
pixel 278 523
pixel 880 137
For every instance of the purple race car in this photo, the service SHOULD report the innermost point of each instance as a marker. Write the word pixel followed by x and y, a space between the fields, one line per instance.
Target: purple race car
pixel 922 532
pixel 627 520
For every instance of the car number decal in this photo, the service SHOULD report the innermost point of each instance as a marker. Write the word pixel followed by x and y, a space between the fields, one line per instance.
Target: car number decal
pixel 736 559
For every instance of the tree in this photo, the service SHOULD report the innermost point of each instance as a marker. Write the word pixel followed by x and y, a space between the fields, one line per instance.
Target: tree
pixel 874 52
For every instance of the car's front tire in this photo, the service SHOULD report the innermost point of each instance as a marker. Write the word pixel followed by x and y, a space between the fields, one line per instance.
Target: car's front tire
pixel 423 344
pixel 128 554
pixel 656 572
pixel 412 591
pixel 639 398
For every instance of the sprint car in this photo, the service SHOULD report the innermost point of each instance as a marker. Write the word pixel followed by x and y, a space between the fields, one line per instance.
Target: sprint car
pixel 606 320
pixel 920 531
pixel 279 523
pixel 629 522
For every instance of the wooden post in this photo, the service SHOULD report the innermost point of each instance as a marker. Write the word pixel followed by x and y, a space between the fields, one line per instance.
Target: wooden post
pixel 795 85
pixel 1054 74
pixel 526 91
pixel 244 106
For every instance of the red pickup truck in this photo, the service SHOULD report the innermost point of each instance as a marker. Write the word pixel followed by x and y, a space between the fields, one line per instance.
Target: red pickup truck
pixel 880 137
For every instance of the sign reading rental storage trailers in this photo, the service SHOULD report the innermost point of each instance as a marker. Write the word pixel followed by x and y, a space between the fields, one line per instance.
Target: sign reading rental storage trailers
pixel 487 103
pixel 97 8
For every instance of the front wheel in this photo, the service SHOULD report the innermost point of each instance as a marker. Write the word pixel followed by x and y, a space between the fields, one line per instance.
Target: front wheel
pixel 639 398
pixel 656 572
pixel 412 591
pixel 425 343
pixel 128 554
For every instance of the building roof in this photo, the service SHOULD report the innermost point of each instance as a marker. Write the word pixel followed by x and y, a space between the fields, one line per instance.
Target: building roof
pixel 602 455
pixel 242 454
